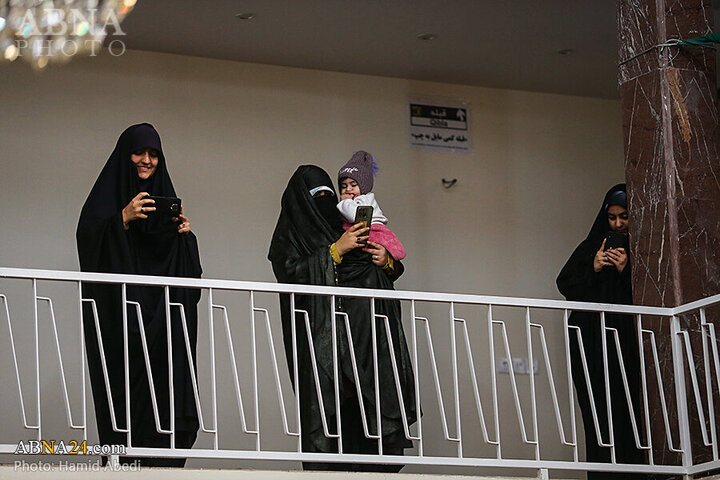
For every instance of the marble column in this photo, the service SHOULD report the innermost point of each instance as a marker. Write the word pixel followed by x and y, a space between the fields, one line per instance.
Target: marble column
pixel 672 166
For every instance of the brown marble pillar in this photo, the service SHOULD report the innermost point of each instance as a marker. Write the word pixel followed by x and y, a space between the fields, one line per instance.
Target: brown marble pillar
pixel 670 124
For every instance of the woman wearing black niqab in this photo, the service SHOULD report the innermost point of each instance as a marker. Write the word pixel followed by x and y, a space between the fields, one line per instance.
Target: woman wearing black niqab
pixel 118 233
pixel 593 274
pixel 301 251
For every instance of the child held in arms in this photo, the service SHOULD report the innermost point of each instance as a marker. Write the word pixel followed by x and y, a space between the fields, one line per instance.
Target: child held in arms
pixel 355 180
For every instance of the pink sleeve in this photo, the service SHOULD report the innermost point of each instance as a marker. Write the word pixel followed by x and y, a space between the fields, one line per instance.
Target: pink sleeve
pixel 379 233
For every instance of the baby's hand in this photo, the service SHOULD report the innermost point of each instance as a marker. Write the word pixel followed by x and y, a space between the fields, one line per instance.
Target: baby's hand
pixel 346 196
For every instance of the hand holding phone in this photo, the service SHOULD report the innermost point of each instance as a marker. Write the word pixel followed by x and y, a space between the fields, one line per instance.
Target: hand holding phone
pixel 615 240
pixel 363 215
pixel 169 207
pixel 350 239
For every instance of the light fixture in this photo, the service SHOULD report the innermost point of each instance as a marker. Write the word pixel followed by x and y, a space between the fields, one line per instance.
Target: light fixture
pixel 427 36
pixel 245 16
pixel 56 30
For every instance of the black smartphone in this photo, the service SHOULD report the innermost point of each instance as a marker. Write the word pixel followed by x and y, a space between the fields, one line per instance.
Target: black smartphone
pixel 363 214
pixel 616 240
pixel 166 206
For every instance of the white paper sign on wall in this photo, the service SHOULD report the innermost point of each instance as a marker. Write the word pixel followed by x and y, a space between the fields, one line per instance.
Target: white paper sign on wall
pixel 439 127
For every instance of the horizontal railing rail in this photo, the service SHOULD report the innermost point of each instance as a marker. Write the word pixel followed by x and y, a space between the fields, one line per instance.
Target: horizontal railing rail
pixel 478 408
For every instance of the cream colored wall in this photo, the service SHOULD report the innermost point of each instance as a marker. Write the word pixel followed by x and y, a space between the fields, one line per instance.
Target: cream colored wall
pixel 233 133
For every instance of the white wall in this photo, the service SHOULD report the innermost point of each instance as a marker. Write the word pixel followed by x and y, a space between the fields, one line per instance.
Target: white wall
pixel 233 133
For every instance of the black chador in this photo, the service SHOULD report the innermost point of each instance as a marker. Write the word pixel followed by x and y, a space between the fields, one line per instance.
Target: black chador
pixel 149 246
pixel 578 281
pixel 300 253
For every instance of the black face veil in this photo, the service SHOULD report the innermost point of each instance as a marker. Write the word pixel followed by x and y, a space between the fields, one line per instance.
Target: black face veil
pixel 306 223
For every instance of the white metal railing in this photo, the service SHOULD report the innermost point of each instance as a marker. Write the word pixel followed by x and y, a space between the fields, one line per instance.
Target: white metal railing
pixel 525 422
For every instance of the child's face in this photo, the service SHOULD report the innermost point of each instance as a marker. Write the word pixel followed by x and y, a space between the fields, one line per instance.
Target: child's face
pixel 349 189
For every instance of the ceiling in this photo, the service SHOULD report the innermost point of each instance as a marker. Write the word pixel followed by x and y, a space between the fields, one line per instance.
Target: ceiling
pixel 510 44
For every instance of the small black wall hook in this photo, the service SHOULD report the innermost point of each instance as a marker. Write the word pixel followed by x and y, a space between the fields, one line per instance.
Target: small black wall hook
pixel 449 183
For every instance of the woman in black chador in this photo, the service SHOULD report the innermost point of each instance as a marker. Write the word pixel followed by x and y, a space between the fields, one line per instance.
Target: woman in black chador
pixel 120 232
pixel 309 246
pixel 596 273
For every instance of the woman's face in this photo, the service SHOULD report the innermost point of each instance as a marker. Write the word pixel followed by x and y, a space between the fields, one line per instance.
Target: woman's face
pixel 618 218
pixel 146 162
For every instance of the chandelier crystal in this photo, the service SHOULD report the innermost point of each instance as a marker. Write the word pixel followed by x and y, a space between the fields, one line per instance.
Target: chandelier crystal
pixel 44 31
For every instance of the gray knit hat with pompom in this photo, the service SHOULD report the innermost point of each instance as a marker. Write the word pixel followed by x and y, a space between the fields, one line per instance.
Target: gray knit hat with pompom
pixel 362 168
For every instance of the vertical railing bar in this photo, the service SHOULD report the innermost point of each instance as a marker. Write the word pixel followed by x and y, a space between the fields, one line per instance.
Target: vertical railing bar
pixel 253 347
pixel 591 394
pixel 213 373
pixel 171 384
pixel 276 371
pixel 376 374
pixel 608 402
pixel 551 381
pixel 643 380
pixel 37 356
pixel 313 362
pixel 661 389
pixel 695 386
pixel 456 386
pixel 493 380
pixel 436 377
pixel 336 375
pixel 236 376
pixel 626 388
pixel 126 363
pixel 476 387
pixel 571 397
pixel 680 393
pixel 708 381
pixel 716 358
pixel 191 364
pixel 513 383
pixel 82 362
pixel 413 333
pixel 63 380
pixel 148 368
pixel 356 377
pixel 17 367
pixel 396 378
pixel 103 363
pixel 296 380
pixel 533 399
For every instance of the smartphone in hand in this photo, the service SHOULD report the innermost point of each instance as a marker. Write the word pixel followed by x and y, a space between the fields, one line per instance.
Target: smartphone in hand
pixel 363 214
pixel 616 240
pixel 166 206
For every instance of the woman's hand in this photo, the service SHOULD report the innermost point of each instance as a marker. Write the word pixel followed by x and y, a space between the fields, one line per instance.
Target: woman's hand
pixel 601 258
pixel 137 208
pixel 353 237
pixel 617 257
pixel 378 252
pixel 184 227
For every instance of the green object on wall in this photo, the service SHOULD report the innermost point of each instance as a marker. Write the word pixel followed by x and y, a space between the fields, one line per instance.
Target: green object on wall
pixel 706 40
